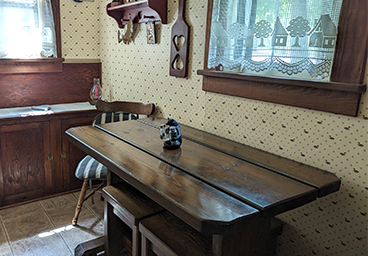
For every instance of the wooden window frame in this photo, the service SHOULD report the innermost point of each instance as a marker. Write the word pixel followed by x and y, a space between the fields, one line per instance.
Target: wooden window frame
pixel 41 65
pixel 341 95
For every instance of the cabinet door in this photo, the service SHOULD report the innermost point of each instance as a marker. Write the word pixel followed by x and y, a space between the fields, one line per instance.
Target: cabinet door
pixel 72 154
pixel 25 161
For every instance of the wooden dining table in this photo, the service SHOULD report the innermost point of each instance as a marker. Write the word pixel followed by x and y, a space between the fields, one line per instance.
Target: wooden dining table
pixel 219 187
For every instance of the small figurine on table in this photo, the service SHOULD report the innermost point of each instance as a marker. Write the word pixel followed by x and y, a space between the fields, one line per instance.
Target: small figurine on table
pixel 171 135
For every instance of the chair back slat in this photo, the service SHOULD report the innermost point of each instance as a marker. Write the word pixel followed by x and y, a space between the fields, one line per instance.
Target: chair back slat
pixel 126 106
pixel 111 117
pixel 121 111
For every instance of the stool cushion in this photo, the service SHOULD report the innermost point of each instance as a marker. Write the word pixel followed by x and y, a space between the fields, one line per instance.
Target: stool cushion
pixel 89 168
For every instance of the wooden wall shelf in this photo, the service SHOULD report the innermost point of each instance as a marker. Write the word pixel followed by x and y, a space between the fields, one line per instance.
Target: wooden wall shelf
pixel 140 11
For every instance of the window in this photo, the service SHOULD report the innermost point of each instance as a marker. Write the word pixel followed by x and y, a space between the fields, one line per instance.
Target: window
pixel 27 29
pixel 284 37
pixel 30 36
pixel 340 94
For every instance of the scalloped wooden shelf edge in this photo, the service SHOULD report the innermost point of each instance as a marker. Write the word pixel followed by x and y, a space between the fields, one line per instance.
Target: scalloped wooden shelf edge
pixel 139 11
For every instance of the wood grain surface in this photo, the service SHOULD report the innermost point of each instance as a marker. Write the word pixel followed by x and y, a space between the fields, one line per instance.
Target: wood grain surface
pixel 264 190
pixel 131 202
pixel 326 182
pixel 200 205
pixel 71 85
pixel 178 236
pixel 127 106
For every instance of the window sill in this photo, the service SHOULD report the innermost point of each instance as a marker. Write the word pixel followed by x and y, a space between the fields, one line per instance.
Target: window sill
pixel 339 98
pixel 24 66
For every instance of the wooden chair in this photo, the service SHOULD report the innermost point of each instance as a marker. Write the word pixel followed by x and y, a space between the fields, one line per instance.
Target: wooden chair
pixel 90 169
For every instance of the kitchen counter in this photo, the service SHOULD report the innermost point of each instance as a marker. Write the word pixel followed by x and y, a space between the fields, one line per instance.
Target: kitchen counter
pixel 45 109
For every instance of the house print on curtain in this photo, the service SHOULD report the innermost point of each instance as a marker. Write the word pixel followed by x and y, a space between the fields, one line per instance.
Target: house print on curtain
pixel 276 38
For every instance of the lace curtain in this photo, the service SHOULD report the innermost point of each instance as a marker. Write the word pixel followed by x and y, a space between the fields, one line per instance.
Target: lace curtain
pixel 274 37
pixel 27 29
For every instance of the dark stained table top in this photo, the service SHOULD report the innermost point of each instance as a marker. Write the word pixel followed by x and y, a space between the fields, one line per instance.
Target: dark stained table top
pixel 326 182
pixel 213 184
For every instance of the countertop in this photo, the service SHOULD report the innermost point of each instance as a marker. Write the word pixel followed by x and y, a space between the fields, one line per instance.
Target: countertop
pixel 45 109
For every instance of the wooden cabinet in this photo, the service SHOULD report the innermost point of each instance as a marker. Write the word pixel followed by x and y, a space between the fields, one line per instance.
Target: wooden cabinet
pixel 71 155
pixel 35 158
pixel 25 161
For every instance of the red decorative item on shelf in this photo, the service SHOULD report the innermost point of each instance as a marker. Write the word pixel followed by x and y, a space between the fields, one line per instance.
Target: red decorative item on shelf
pixel 96 92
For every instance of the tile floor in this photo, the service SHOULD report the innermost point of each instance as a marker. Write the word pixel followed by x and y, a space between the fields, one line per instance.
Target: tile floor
pixel 44 228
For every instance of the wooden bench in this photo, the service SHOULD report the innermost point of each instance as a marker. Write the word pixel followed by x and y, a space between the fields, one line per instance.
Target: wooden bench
pixel 128 207
pixel 166 235
pixel 91 248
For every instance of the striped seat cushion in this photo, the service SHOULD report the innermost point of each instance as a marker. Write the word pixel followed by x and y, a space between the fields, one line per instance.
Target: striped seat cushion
pixel 89 168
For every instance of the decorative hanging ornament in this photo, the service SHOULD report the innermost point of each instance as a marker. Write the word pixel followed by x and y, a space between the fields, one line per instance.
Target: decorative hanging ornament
pixel 128 36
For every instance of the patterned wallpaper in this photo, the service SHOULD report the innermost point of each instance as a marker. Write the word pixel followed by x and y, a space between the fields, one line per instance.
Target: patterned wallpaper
pixel 332 225
pixel 80 29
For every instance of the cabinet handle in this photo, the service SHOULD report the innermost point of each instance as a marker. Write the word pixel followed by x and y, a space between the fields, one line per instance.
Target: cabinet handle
pixel 50 157
pixel 63 155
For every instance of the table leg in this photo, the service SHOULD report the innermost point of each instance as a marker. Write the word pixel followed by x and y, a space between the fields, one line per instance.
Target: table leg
pixel 217 245
pixel 257 240
pixel 114 231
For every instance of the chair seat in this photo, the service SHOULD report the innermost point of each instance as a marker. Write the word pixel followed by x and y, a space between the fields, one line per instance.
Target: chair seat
pixel 89 168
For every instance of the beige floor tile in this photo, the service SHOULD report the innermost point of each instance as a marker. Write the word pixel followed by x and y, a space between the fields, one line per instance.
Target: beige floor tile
pixel 52 245
pixel 76 195
pixel 97 207
pixel 63 217
pixel 3 239
pixel 84 231
pixel 59 202
pixel 5 250
pixel 27 225
pixel 44 228
pixel 16 211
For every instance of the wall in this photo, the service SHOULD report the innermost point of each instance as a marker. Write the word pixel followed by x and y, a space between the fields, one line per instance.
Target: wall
pixel 80 28
pixel 333 225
